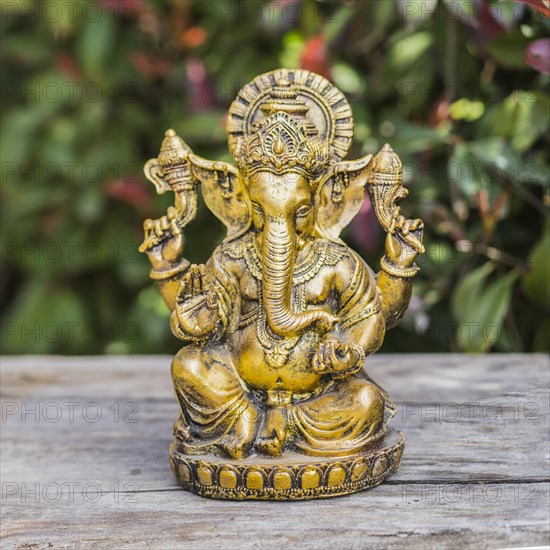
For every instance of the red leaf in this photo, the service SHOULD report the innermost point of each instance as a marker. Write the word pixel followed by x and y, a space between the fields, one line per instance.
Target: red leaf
pixel 68 66
pixel 537 55
pixel 314 56
pixel 129 190
pixel 149 65
pixel 489 24
pixel 193 37
pixel 537 5
pixel 439 111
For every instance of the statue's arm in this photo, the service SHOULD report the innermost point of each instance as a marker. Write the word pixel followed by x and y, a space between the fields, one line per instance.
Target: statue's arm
pixel 164 246
pixel 404 237
pixel 361 318
pixel 396 295
pixel 397 269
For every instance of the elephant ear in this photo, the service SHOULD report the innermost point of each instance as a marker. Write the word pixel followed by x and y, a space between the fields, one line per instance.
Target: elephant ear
pixel 340 196
pixel 154 174
pixel 223 193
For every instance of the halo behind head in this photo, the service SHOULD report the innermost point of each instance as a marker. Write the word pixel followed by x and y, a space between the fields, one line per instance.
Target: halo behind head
pixel 307 97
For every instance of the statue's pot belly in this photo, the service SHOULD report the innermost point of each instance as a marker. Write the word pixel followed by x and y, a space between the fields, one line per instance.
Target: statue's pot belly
pixel 296 374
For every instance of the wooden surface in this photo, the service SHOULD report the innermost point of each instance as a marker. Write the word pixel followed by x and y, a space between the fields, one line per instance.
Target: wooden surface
pixel 474 474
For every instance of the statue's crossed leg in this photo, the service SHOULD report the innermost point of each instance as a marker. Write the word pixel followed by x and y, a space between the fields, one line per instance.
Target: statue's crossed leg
pixel 221 414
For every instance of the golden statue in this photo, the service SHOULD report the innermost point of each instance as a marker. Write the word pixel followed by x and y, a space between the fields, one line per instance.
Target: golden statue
pixel 277 324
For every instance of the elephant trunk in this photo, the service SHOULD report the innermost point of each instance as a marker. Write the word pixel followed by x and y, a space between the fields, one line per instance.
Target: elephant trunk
pixel 278 255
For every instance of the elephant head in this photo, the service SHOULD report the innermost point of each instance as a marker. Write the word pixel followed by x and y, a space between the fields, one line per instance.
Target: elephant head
pixel 283 215
pixel 288 190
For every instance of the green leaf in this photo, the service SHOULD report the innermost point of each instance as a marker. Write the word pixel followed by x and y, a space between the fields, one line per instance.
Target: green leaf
pixel 536 283
pixel 413 138
pixel 523 117
pixel 45 319
pixel 508 49
pixel 347 79
pixel 383 13
pixel 498 158
pixel 464 109
pixel 480 309
pixel 292 47
pixel 336 22
pixel 409 49
pixel 90 204
pixel 465 171
pixel 96 45
pixel 468 290
pixel 532 118
pixel 484 163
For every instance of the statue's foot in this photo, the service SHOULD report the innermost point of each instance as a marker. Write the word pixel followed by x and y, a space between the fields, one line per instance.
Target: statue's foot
pixel 273 432
pixel 181 429
pixel 272 446
pixel 238 442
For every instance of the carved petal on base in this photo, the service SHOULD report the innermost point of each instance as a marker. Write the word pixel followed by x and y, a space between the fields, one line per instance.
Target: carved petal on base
pixel 294 477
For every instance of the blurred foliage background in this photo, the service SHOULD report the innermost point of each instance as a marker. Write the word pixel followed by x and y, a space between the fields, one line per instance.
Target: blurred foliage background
pixel 460 88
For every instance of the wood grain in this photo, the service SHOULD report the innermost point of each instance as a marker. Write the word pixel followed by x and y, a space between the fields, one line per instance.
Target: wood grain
pixel 474 473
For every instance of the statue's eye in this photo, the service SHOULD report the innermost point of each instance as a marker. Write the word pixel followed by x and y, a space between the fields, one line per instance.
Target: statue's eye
pixel 302 212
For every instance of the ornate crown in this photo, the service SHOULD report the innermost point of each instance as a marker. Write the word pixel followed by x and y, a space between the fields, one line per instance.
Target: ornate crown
pixel 282 143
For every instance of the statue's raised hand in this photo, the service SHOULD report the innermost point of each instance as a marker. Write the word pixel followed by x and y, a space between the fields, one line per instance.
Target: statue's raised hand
pixel 164 240
pixel 404 239
pixel 197 303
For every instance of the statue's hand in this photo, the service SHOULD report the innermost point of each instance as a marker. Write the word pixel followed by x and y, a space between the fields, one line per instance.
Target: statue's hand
pixel 163 241
pixel 335 357
pixel 402 231
pixel 197 303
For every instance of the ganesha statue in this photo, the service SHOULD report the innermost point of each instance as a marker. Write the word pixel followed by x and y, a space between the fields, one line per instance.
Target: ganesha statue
pixel 277 325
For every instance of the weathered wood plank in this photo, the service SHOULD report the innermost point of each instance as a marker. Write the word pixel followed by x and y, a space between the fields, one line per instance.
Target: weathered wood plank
pixel 475 469
pixel 385 517
pixel 448 377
